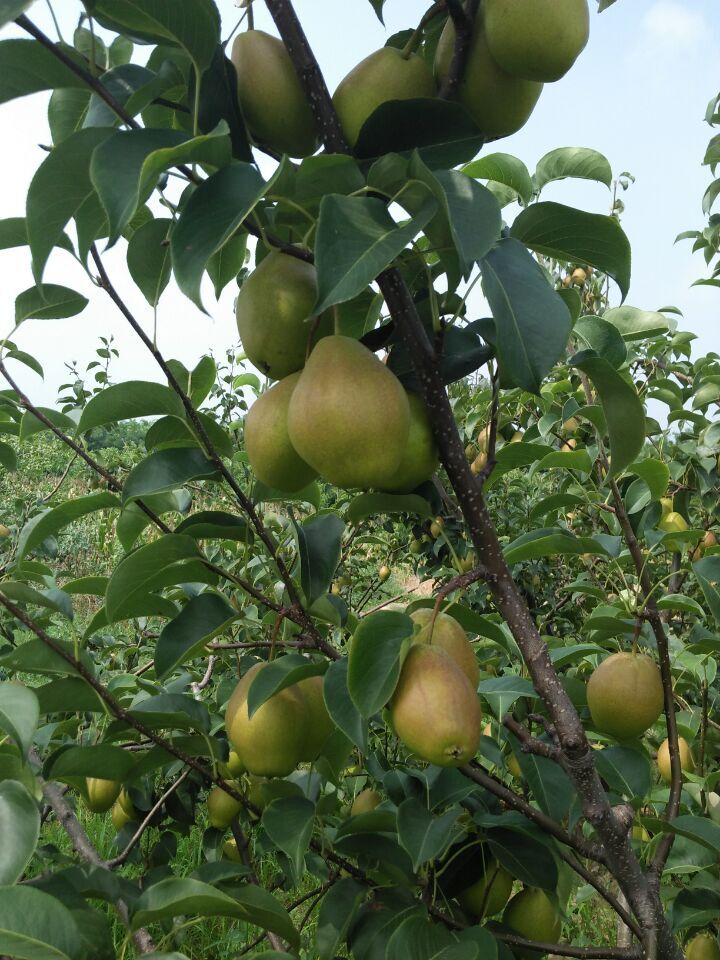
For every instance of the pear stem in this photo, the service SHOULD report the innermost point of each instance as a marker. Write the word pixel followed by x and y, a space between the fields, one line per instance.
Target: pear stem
pixel 250 15
pixel 418 33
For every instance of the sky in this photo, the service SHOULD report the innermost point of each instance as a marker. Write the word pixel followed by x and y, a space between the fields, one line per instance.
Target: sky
pixel 637 94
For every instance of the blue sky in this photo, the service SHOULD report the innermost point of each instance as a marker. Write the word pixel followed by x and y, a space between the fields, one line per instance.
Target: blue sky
pixel 638 94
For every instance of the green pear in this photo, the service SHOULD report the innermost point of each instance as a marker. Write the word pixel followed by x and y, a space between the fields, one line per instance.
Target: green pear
pixel 101 794
pixel 274 309
pixel 536 39
pixel 704 946
pixel 365 802
pixel 435 710
pixel 222 808
pixel 448 634
pixel 498 103
pixel 532 915
pixel 120 816
pixel 383 76
pixel 230 850
pixel 271 455
pixel 420 458
pixel 318 724
pixel 271 97
pixel 235 766
pixel 673 522
pixel 625 695
pixel 349 416
pixel 126 803
pixel 269 743
pixel 488 895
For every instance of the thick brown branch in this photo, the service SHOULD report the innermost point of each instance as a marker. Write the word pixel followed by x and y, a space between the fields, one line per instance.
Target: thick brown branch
pixel 463 22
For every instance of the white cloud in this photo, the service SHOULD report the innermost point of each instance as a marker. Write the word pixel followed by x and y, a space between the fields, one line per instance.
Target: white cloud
pixel 670 24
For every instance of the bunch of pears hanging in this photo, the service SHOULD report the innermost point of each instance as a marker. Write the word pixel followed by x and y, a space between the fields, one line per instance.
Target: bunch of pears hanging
pixel 340 414
pixel 516 47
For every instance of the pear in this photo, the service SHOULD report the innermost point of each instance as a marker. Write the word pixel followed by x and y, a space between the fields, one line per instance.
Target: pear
pixel 420 458
pixel 435 710
pixel 318 724
pixel 532 915
pixel 383 76
pixel 126 803
pixel 271 455
pixel 222 808
pixel 365 802
pixel 450 636
pixel 536 39
pixel 384 573
pixel 625 695
pixel 488 895
pixel 235 766
pixel 101 794
pixel 120 816
pixel 703 946
pixel 230 850
pixel 673 522
pixel 663 758
pixel 271 97
pixel 270 743
pixel 499 104
pixel 273 311
pixel 349 417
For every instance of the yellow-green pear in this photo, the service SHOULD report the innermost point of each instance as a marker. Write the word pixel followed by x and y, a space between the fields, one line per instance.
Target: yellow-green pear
pixel 450 636
pixel 673 522
pixel 318 724
pixel 384 573
pixel 383 76
pixel 625 695
pixel 349 416
pixel 234 764
pixel 420 458
pixel 435 710
pixel 365 802
pixel 488 895
pixel 666 505
pixel 120 816
pixel 126 803
pixel 230 850
pixel 5 531
pixel 274 314
pixel 270 743
pixel 536 39
pixel 222 808
pixel 713 806
pixel 271 97
pixel 101 794
pixel 532 915
pixel 272 457
pixel 663 758
pixel 703 946
pixel 499 103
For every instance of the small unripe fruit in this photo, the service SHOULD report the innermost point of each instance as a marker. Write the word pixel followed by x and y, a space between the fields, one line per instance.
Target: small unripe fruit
pixel 436 527
pixel 222 808
pixel 230 850
pixel 120 816
pixel 365 802
pixel 383 573
pixel 489 894
pixel 663 758
pixel 579 277
pixel 4 531
pixel 415 546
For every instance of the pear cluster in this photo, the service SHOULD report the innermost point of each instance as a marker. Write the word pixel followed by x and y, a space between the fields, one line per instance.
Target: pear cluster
pixel 435 709
pixel 517 46
pixel 336 411
pixel 290 728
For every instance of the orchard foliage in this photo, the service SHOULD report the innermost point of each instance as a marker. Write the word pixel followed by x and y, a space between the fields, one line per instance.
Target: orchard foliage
pixel 570 518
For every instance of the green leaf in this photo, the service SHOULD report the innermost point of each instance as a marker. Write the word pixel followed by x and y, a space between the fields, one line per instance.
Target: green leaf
pixel 30 425
pixel 337 911
pixel 36 926
pixel 148 258
pixel 626 770
pixel 422 834
pixel 167 711
pixel 10 9
pixel 126 167
pixel 568 234
pixel 59 188
pixel 52 598
pixel 319 545
pixel 50 522
pixel 515 455
pixel 167 561
pixel 374 663
pixel 341 708
pixel 699 829
pixel 68 693
pixel 19 828
pixel 99 760
pixel 216 525
pixel 19 714
pixel 201 619
pixel 212 215
pixel 505 169
pixel 225 265
pixel 167 470
pixel 8 457
pixel 49 302
pixel 66 112
pixel 550 542
pixel 550 785
pixel 602 337
pixel 707 573
pixel 356 239
pixel 655 473
pixel 370 504
pixel 34 656
pixel 695 907
pixel 525 858
pixel 278 675
pixel 502 692
pixel 635 324
pixel 532 324
pixel 28 67
pixel 193 25
pixel 289 821
pixel 176 896
pixel 129 401
pixel 623 409
pixel 132 520
pixel 219 102
pixel 416 938
pixel 580 162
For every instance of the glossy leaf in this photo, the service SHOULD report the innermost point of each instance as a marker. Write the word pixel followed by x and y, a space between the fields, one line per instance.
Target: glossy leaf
pixel 148 258
pixel 201 619
pixel 19 828
pixel 214 524
pixel 603 337
pixel 569 234
pixel 319 545
pixel 36 926
pixel 278 675
pixel 707 573
pixel 49 302
pixel 50 522
pixel 580 162
pixel 219 102
pixel 635 324
pixel 550 542
pixel 19 714
pixel 417 938
pixel 626 770
pixel 502 692
pixel 505 169
pixel 524 857
pixel 99 760
pixel 655 473
pixel 374 663
pixel 337 912
pixel 288 821
pixel 129 401
pixel 10 9
pixel 34 656
pixel 695 907
pixel 167 470
pixel 532 324
pixel 341 708
pixel 370 504
pixel 423 835
pixel 26 66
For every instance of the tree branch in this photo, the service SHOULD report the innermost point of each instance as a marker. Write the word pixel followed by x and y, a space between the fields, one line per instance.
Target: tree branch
pixel 463 21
